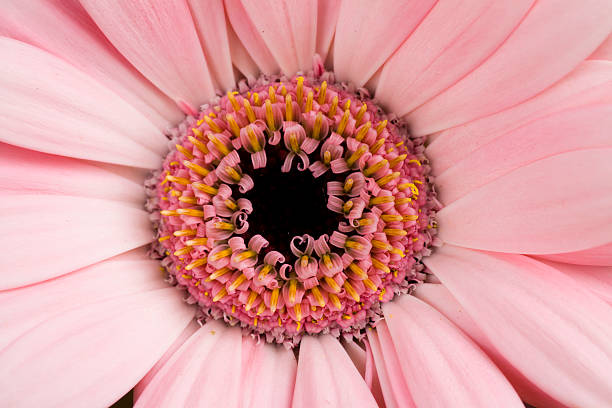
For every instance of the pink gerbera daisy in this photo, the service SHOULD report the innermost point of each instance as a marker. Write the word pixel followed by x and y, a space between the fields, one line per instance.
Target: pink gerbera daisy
pixel 243 203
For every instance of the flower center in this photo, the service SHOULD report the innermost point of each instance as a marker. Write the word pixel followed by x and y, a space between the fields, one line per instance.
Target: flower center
pixel 293 208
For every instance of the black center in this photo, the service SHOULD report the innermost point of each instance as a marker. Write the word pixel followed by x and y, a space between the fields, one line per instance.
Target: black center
pixel 288 204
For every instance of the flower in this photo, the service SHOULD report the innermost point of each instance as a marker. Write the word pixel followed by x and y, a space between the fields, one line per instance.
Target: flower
pixel 504 112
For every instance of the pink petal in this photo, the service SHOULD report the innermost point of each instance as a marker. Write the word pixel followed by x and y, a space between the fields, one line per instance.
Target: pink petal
pixel 554 205
pixel 92 355
pixel 268 375
pixel 551 41
pixel 327 18
pixel 44 98
pixel 451 41
pixel 204 371
pixel 598 279
pixel 22 309
pixel 393 386
pixel 357 355
pixel 209 18
pixel 158 37
pixel 443 301
pixel 584 128
pixel 589 84
pixel 64 28
pixel 51 235
pixel 182 338
pixel 552 331
pixel 597 256
pixel 250 37
pixel 366 38
pixel 26 171
pixel 604 52
pixel 240 56
pixel 326 377
pixel 436 355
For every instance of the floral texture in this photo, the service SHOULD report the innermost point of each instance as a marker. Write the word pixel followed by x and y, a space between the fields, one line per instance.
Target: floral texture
pixel 346 203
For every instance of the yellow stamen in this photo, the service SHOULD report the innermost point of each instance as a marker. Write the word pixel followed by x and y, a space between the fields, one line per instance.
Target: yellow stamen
pixel 239 281
pixel 222 293
pixel 360 113
pixel 365 221
pixel 251 299
pixel 415 161
pixel 230 204
pixel 297 308
pixel 381 200
pixel 347 104
pixel 225 226
pixel 270 116
pixel 335 301
pixel 292 290
pixel 283 90
pixel 162 239
pixel 191 212
pixel 233 173
pixel 184 151
pixel 347 206
pixel 165 198
pixel 316 128
pixel 217 273
pixel 376 146
pixel 391 217
pixel 168 213
pixel 322 92
pixel 256 100
pixel 382 294
pixel 175 193
pixel 183 251
pixel 221 254
pixel 198 144
pixel 357 270
pixel 233 125
pixel 288 108
pixel 206 188
pixel 253 138
pixel 196 167
pixel 379 265
pixel 398 251
pixel 245 255
pixel 381 245
pixel 309 99
pixel 174 163
pixel 260 309
pixel 326 157
pixel 351 291
pixel 343 122
pixel 185 276
pixel 368 171
pixel 397 160
pixel 407 218
pixel 299 92
pixel 188 200
pixel 353 245
pixel 332 284
pixel 316 293
pixel 327 261
pixel 386 179
pixel 274 302
pixel 363 131
pixel 348 185
pixel 212 125
pixel 381 126
pixel 370 285
pixel 299 326
pixel 333 107
pixel 294 143
pixel 249 110
pixel 355 156
pixel 233 101
pixel 197 132
pixel 272 94
pixel 304 261
pixel 219 145
pixel 196 263
pixel 197 241
pixel 264 271
pixel 178 180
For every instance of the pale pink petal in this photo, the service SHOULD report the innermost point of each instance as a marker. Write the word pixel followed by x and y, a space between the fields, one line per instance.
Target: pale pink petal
pixel 392 384
pixel 597 256
pixel 598 279
pixel 204 371
pixel 288 28
pixel 23 308
pixel 589 84
pixel 51 235
pixel 452 40
pixel 435 355
pixel 552 40
pixel 250 37
pixel 554 332
pixel 327 18
pixel 64 28
pixel 584 128
pixel 182 338
pixel 63 111
pixel 26 171
pixel 158 37
pixel 209 18
pixel 443 301
pixel 554 205
pixel 368 32
pixel 240 56
pixel 357 355
pixel 268 375
pixel 326 377
pixel 134 174
pixel 92 355
pixel 604 52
